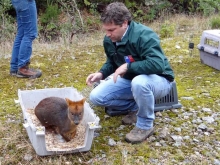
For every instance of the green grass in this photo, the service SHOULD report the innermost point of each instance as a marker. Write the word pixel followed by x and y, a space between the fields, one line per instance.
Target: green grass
pixel 66 65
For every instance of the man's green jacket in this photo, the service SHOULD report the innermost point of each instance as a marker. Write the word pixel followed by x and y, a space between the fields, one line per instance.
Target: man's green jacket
pixel 143 45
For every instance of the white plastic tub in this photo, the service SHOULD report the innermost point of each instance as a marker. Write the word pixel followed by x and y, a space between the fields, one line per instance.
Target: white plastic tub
pixel 30 98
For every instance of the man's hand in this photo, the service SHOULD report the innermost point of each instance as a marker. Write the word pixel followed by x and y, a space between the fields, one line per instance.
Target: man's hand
pixel 120 71
pixel 94 77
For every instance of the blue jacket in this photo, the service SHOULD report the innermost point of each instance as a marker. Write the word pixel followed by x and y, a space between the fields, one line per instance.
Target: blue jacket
pixel 144 46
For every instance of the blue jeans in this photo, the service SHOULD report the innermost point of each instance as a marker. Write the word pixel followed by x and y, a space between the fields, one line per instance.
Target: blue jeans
pixel 138 94
pixel 26 13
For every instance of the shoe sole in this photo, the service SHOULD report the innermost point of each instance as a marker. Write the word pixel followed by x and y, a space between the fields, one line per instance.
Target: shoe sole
pixel 137 142
pixel 30 77
pixel 22 76
pixel 13 73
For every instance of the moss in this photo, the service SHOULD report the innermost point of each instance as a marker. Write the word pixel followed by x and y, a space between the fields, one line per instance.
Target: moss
pixel 69 65
pixel 172 115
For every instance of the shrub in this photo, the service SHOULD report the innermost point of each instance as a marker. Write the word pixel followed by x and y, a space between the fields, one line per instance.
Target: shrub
pixel 51 14
pixel 7 27
pixel 215 22
pixel 49 24
pixel 167 29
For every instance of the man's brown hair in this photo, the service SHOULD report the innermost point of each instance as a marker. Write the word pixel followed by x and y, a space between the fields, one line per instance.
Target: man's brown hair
pixel 116 13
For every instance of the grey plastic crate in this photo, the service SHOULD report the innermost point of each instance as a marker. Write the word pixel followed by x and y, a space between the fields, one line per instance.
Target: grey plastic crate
pixel 169 101
pixel 210 60
pixel 209 48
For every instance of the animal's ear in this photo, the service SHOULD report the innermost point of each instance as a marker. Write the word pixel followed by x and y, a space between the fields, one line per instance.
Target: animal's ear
pixel 83 100
pixel 67 101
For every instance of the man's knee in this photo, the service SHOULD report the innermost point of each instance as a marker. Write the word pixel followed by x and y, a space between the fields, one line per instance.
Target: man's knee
pixel 94 97
pixel 29 38
pixel 138 83
pixel 32 36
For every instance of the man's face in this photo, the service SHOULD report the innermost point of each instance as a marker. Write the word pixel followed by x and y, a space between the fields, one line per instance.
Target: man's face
pixel 115 32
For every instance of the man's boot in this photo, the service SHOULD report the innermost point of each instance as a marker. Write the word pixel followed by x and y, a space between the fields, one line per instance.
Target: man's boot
pixel 26 72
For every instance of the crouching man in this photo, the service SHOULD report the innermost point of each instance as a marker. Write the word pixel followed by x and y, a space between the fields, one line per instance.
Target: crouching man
pixel 141 71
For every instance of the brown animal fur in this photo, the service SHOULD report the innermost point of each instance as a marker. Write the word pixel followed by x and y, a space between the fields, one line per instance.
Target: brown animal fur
pixel 63 115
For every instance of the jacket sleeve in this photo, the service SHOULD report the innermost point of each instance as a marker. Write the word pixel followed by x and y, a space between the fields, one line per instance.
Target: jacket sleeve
pixel 151 55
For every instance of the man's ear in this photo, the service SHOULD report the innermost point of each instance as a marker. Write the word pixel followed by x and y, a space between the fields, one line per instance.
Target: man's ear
pixel 125 24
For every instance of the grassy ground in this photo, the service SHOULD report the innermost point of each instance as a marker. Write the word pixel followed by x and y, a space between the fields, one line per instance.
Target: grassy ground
pixel 66 64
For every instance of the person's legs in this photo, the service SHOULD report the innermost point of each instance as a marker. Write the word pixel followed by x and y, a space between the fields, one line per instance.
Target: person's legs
pixel 28 19
pixel 149 87
pixel 15 50
pixel 114 95
pixel 145 89
pixel 26 32
pixel 18 5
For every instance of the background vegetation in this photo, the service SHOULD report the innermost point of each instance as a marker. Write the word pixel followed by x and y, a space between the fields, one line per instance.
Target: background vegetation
pixel 69 47
pixel 62 19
